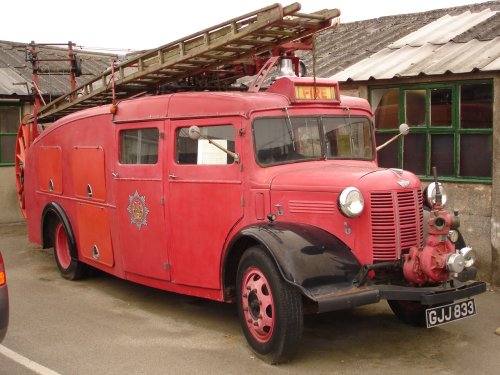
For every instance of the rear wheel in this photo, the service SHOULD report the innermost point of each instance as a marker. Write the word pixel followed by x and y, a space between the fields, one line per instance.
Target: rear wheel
pixel 70 268
pixel 270 310
pixel 409 312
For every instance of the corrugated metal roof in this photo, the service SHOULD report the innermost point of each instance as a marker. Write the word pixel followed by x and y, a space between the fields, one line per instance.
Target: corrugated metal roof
pixel 428 59
pixel 434 49
pixel 16 69
pixel 444 29
pixel 340 48
pixel 12 83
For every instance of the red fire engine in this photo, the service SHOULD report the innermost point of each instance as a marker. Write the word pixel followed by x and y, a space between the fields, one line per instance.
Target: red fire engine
pixel 269 199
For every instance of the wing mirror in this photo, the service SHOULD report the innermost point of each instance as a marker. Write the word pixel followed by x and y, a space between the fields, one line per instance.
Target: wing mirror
pixel 403 130
pixel 195 134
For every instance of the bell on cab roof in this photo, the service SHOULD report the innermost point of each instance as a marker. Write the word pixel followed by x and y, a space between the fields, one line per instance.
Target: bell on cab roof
pixel 285 68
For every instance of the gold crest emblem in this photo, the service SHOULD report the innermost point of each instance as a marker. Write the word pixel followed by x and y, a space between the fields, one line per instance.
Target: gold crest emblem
pixel 138 209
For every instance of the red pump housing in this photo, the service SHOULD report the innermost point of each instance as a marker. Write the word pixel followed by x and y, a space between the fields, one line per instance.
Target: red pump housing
pixel 428 265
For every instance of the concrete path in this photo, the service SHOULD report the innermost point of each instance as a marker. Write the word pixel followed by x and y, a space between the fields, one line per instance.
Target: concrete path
pixel 103 325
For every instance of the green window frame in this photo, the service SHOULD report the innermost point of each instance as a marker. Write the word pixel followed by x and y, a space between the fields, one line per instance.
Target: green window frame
pixel 451 127
pixel 9 123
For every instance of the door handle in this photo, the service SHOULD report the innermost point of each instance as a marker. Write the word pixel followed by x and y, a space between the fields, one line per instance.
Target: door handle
pixel 114 174
pixel 90 192
pixel 172 176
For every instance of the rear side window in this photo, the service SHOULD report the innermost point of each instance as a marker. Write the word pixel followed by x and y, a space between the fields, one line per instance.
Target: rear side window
pixel 201 152
pixel 139 146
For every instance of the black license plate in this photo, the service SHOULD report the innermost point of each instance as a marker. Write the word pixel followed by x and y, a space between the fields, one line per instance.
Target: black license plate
pixel 436 316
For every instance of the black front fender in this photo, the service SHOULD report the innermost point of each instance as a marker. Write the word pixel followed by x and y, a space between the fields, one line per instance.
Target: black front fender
pixel 307 256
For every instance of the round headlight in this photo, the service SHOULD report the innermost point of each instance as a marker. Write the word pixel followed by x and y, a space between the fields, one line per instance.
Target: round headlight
pixel 351 202
pixel 430 194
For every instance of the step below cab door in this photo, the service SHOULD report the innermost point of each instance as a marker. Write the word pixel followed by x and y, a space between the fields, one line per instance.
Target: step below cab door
pixel 140 201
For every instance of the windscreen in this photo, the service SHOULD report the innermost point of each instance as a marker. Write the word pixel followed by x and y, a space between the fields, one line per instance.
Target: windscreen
pixel 280 140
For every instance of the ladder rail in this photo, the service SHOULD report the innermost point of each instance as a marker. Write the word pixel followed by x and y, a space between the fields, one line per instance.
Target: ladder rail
pixel 233 41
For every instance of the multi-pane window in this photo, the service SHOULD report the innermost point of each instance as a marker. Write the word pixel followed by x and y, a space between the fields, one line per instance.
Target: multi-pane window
pixel 9 121
pixel 281 140
pixel 139 146
pixel 201 151
pixel 451 128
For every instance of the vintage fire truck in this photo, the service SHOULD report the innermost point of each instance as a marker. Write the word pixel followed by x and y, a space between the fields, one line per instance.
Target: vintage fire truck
pixel 272 200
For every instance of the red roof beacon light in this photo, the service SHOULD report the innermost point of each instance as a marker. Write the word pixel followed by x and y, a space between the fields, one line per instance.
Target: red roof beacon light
pixel 306 90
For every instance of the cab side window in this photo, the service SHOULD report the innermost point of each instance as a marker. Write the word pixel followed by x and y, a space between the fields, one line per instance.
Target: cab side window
pixel 139 146
pixel 201 152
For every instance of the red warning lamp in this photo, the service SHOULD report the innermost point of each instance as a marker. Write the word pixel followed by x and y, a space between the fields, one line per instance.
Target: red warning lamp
pixel 307 90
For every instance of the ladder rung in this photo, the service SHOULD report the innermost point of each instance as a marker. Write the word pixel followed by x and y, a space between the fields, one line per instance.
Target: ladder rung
pixel 214 57
pixel 233 49
pixel 250 42
pixel 310 24
pixel 225 44
pixel 274 33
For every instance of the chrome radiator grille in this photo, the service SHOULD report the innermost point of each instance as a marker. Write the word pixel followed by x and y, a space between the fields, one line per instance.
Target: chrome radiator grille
pixel 397 223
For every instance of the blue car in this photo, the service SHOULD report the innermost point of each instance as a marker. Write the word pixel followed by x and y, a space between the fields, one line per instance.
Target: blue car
pixel 4 301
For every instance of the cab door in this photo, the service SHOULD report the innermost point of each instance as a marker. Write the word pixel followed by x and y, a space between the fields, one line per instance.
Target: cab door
pixel 140 202
pixel 204 199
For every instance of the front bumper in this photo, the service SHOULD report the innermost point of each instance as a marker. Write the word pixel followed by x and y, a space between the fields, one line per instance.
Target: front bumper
pixel 339 299
pixel 432 295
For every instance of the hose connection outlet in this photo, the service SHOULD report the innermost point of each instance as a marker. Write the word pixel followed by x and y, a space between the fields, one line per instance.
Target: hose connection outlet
pixel 469 256
pixel 455 263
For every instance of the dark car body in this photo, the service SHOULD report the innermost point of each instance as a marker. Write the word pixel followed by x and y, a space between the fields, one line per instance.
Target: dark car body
pixel 4 301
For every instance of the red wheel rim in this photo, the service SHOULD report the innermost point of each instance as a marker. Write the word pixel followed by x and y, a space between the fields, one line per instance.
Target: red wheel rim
pixel 62 247
pixel 258 305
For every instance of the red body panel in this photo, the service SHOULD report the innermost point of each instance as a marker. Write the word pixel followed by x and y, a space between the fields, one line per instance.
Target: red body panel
pixel 88 173
pixel 167 224
pixel 204 204
pixel 50 169
pixel 141 227
pixel 94 234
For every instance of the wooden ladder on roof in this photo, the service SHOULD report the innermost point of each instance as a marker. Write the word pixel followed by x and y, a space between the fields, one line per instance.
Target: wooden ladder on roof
pixel 211 54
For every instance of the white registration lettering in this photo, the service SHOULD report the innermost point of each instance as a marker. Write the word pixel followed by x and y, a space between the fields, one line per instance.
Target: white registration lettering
pixel 471 307
pixel 464 309
pixel 448 316
pixel 432 317
pixel 440 319
pixel 449 313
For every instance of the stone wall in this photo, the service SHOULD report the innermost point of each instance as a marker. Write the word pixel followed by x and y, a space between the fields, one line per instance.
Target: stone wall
pixel 495 193
pixel 474 204
pixel 9 210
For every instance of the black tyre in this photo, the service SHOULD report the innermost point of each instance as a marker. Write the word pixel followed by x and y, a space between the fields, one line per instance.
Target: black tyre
pixel 70 268
pixel 409 312
pixel 270 310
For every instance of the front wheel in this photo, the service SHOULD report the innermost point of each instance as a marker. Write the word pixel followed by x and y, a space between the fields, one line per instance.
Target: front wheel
pixel 409 312
pixel 70 268
pixel 270 310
